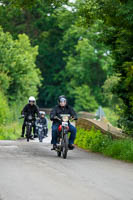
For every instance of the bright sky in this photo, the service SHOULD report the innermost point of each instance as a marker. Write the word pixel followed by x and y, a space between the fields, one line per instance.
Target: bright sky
pixel 72 1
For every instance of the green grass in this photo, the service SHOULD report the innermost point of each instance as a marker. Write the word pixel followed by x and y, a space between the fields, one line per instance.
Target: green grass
pixel 95 141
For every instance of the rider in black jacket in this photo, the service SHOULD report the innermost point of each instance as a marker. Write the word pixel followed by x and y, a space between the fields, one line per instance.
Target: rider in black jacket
pixel 43 121
pixel 62 108
pixel 30 109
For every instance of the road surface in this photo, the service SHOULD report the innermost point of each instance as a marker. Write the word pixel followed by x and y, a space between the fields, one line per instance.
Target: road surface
pixel 31 171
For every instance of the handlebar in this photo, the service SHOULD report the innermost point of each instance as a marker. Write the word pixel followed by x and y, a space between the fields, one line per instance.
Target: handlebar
pixel 70 118
pixel 57 118
pixel 21 117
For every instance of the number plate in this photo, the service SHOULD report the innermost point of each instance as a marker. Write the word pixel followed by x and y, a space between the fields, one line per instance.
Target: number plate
pixel 64 123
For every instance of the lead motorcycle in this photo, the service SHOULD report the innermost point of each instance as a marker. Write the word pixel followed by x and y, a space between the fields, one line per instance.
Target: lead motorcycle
pixel 62 137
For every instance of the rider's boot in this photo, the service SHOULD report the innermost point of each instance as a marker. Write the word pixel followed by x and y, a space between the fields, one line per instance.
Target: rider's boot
pixel 54 147
pixel 22 135
pixel 31 137
pixel 35 135
pixel 71 147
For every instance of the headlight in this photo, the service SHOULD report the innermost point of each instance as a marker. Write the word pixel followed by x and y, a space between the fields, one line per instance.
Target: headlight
pixel 30 117
pixel 65 118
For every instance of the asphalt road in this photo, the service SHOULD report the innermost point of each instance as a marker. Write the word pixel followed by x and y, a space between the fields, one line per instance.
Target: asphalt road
pixel 31 171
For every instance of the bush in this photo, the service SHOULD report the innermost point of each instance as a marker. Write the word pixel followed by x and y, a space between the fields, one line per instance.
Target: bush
pixel 10 132
pixel 4 109
pixel 120 149
pixel 97 142
pixel 111 116
pixel 92 140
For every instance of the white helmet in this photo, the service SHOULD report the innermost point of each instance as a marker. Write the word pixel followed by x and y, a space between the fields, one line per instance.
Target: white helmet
pixel 32 99
pixel 42 113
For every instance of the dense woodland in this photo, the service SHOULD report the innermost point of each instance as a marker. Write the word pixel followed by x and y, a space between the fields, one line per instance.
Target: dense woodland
pixel 82 49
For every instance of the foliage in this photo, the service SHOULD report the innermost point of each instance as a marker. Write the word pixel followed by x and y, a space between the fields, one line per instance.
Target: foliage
pixel 4 109
pixel 29 3
pixel 120 149
pixel 10 131
pixel 17 67
pixel 111 116
pixel 84 100
pixel 93 140
pixel 97 142
pixel 19 78
pixel 108 88
pixel 69 56
pixel 117 32
pixel 88 64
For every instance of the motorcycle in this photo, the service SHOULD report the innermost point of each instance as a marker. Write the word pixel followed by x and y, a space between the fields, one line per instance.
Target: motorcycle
pixel 41 130
pixel 29 125
pixel 62 137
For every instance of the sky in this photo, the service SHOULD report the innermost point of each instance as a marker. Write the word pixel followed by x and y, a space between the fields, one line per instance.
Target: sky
pixel 72 1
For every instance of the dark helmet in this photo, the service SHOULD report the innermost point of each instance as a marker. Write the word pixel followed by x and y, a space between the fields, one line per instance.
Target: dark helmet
pixel 62 97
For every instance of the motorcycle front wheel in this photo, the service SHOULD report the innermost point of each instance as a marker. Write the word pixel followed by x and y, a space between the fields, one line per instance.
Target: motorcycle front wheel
pixel 65 146
pixel 40 137
pixel 28 131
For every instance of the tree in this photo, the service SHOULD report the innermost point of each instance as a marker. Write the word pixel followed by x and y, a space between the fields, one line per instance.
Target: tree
pixel 19 77
pixel 117 31
pixel 84 101
pixel 45 25
pixel 89 63
pixel 28 4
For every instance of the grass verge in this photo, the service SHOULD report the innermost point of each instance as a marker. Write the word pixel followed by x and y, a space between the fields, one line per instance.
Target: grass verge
pixel 95 141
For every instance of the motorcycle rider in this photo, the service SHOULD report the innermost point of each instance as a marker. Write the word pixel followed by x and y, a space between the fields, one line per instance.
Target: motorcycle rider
pixel 62 108
pixel 44 121
pixel 30 109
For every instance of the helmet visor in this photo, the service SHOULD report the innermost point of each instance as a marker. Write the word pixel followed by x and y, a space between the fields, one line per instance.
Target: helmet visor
pixel 62 100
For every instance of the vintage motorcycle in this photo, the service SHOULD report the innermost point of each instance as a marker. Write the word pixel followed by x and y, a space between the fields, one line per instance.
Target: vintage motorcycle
pixel 41 131
pixel 29 124
pixel 62 137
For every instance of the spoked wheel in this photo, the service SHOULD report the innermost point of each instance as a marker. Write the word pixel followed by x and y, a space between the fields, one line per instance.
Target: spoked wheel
pixel 28 133
pixel 59 146
pixel 65 146
pixel 40 137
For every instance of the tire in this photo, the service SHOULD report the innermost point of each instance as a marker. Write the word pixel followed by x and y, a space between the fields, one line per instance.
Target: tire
pixel 28 133
pixel 65 146
pixel 59 153
pixel 40 137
